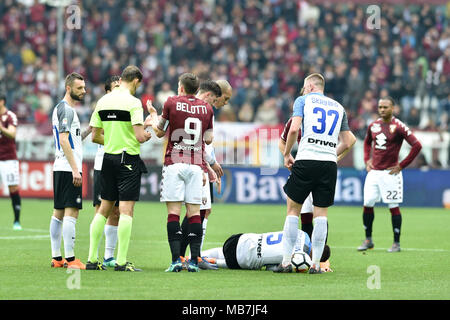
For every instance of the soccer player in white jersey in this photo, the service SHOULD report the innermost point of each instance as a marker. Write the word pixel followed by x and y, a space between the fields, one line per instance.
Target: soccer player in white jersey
pixel 323 122
pixel 112 222
pixel 254 251
pixel 67 171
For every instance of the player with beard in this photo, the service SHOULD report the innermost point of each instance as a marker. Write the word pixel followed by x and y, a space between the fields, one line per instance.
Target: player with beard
pixel 67 170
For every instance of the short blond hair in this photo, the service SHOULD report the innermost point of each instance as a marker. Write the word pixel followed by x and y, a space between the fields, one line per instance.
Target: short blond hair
pixel 317 80
pixel 224 85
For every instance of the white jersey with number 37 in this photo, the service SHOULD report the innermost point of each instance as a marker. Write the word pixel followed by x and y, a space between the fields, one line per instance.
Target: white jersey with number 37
pixel 322 120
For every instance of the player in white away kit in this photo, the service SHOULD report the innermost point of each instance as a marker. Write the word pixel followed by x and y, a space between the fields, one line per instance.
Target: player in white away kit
pixel 323 122
pixel 67 171
pixel 112 222
pixel 254 251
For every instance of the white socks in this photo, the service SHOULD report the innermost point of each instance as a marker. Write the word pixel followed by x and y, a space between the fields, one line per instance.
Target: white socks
pixel 68 231
pixel 290 234
pixel 110 241
pixel 318 239
pixel 55 236
pixel 204 225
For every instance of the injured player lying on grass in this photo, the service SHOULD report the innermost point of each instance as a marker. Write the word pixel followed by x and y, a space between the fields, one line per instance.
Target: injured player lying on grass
pixel 254 251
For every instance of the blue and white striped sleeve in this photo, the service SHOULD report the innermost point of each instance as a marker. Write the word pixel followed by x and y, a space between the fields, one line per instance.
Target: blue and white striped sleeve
pixel 299 105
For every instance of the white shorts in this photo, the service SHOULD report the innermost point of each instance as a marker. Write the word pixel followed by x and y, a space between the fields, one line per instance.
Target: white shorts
pixel 9 172
pixel 380 185
pixel 307 205
pixel 182 182
pixel 206 195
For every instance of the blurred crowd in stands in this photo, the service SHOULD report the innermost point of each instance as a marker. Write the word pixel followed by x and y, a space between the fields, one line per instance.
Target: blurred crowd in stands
pixel 264 48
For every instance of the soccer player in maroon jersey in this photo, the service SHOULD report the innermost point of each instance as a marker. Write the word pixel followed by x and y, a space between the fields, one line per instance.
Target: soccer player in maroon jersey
pixel 9 164
pixel 189 123
pixel 384 179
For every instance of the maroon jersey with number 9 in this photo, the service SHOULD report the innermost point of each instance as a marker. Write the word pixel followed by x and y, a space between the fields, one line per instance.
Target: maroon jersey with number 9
pixel 186 118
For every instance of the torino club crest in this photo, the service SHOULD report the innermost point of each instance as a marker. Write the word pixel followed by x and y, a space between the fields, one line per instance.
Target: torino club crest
pixel 392 128
pixel 376 128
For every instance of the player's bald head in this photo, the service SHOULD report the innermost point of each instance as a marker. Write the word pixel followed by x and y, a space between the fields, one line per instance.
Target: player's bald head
pixel 227 92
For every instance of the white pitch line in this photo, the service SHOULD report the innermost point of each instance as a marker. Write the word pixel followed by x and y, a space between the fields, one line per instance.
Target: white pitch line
pixel 46 236
pixel 26 229
pixel 402 249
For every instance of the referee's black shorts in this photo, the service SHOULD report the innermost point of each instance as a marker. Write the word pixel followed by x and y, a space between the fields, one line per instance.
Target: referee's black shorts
pixel 318 177
pixel 229 251
pixel 120 178
pixel 65 194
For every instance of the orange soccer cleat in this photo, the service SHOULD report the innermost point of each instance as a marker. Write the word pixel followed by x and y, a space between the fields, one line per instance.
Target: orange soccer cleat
pixel 58 264
pixel 76 264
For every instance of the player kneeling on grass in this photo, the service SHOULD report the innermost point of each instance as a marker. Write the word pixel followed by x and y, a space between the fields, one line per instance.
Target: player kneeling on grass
pixel 254 251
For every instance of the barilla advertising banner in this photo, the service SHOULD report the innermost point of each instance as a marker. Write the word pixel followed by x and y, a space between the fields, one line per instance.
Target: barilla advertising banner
pixel 36 180
pixel 429 188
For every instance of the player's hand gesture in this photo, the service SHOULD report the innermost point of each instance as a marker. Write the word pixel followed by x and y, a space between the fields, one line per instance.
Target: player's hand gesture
pixel 369 165
pixel 217 169
pixel 148 122
pixel 150 108
pixel 147 135
pixel 76 178
pixel 219 185
pixel 395 170
pixel 212 176
pixel 288 161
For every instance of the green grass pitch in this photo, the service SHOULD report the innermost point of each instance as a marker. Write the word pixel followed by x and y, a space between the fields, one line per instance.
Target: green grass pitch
pixel 420 271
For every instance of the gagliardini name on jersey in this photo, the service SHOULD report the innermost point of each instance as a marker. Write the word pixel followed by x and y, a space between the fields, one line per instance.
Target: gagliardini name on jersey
pixel 184 107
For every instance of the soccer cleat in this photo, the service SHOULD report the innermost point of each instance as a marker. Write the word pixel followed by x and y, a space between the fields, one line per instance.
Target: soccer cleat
pixel 367 244
pixel 95 266
pixel 283 269
pixel 175 266
pixel 127 267
pixel 58 263
pixel 76 264
pixel 110 262
pixel 192 267
pixel 395 247
pixel 17 226
pixel 204 264
pixel 313 270
pixel 184 262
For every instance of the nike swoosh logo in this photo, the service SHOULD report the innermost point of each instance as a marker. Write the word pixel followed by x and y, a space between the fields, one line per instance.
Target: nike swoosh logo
pixel 128 166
